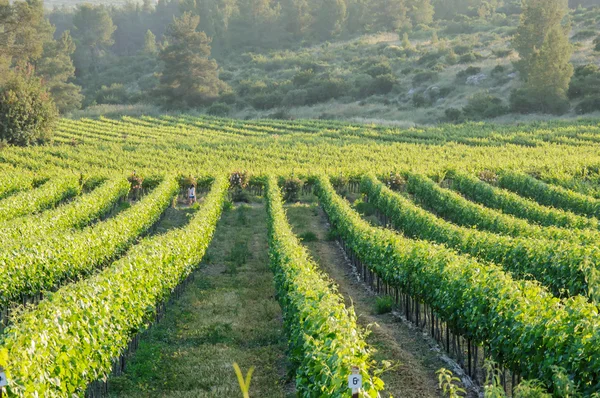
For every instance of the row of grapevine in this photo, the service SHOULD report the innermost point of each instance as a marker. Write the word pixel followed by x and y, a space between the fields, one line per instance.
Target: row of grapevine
pixel 13 181
pixel 323 335
pixel 69 255
pixel 511 203
pixel 265 147
pixel 36 200
pixel 522 325
pixel 77 214
pixel 70 339
pixel 453 207
pixel 549 195
pixel 562 266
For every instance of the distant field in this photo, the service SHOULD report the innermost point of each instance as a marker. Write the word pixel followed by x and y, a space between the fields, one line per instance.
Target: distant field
pixel 484 237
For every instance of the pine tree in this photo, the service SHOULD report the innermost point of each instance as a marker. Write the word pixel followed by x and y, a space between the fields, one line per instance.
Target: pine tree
pixel 328 18
pixel 23 32
pixel 421 12
pixel 57 72
pixel 93 34
pixel 189 77
pixel 545 52
pixel 149 43
pixel 296 18
pixel 391 15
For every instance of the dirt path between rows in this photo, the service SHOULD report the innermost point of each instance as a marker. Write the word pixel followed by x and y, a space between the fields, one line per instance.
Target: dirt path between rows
pixel 414 376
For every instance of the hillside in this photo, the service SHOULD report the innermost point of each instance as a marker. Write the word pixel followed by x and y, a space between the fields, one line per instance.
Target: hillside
pixel 378 77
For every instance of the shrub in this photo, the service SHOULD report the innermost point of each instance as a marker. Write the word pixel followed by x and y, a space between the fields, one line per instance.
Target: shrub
pixel 27 112
pixel 266 100
pixel 226 75
pixel 114 94
pixel 467 58
pixel 498 70
pixel 454 115
pixel 585 81
pixel 393 51
pixel 483 106
pixel 383 84
pixel 597 43
pixel 584 34
pixel 303 77
pixel 297 97
pixel 522 101
pixel 324 89
pixel 308 237
pixel 384 305
pixel 378 68
pixel 420 101
pixel 291 189
pixel 462 49
pixel 502 53
pixel 219 109
pixel 423 77
pixel 588 105
pixel 470 71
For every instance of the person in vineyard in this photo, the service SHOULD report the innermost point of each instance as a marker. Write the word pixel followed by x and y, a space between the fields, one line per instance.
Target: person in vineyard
pixel 191 194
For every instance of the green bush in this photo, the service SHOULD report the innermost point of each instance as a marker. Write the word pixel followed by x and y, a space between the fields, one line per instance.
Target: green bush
pixel 420 101
pixel 308 237
pixel 454 115
pixel 467 58
pixel 522 101
pixel 597 43
pixel 219 109
pixel 498 70
pixel 114 94
pixel 462 49
pixel 291 189
pixel 588 105
pixel 585 81
pixel 584 34
pixel 470 71
pixel 384 305
pixel 27 112
pixel 303 77
pixel 423 77
pixel 297 97
pixel 266 100
pixel 379 68
pixel 483 106
pixel 326 88
pixel 383 84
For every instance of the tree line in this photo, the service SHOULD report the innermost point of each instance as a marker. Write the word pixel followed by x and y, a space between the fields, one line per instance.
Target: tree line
pixel 56 60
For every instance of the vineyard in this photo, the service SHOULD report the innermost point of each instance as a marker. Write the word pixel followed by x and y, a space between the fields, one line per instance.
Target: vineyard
pixel 483 240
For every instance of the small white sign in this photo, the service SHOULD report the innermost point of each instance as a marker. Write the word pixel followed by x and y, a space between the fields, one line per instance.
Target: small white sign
pixel 355 381
pixel 3 381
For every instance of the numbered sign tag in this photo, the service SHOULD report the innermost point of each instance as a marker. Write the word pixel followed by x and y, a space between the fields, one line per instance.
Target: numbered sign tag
pixel 355 381
pixel 3 381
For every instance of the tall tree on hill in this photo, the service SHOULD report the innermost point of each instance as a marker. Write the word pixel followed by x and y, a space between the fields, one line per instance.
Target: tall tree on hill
pixel 360 18
pixel 93 34
pixel 391 15
pixel 215 18
pixel 296 18
pixel 256 24
pixel 189 77
pixel 542 41
pixel 57 72
pixel 329 17
pixel 421 12
pixel 23 32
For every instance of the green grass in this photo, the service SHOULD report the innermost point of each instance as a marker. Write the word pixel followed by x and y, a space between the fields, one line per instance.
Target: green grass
pixel 221 318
